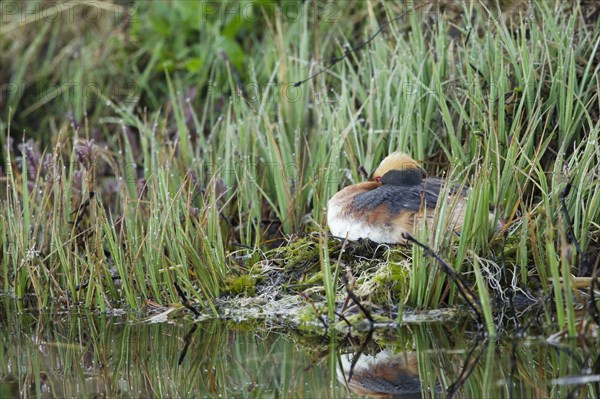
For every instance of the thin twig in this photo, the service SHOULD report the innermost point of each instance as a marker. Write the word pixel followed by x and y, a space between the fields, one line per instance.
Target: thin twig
pixel 463 289
pixel 570 232
pixel 359 353
pixel 188 340
pixel 363 171
pixel 356 301
pixel 467 368
pixel 184 300
pixel 509 284
pixel 352 50
pixel 345 320
pixel 304 296
pixel 593 310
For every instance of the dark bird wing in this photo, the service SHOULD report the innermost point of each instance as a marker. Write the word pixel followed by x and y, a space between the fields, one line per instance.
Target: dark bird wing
pixel 401 198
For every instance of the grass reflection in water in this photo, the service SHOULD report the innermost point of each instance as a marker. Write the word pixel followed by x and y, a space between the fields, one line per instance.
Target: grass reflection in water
pixel 80 354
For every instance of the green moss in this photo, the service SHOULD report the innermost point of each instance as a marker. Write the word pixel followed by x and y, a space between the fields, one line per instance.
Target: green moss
pixel 307 315
pixel 240 285
pixel 381 273
pixel 316 278
pixel 298 262
pixel 244 325
pixel 391 283
pixel 301 254
pixel 396 340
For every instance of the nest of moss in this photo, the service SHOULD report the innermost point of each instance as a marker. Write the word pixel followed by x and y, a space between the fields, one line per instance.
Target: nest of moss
pixel 368 276
pixel 375 273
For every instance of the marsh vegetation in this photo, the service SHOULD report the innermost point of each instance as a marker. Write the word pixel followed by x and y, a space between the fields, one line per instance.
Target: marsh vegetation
pixel 158 153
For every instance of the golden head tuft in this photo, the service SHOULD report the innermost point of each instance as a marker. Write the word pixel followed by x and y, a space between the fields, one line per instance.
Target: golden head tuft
pixel 395 161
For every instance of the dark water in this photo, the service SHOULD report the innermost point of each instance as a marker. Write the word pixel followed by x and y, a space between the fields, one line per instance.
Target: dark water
pixel 79 354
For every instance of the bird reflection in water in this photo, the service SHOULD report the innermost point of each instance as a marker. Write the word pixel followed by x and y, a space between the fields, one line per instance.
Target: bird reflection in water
pixel 383 375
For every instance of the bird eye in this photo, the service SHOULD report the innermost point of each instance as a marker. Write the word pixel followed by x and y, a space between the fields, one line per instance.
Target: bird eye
pixel 378 178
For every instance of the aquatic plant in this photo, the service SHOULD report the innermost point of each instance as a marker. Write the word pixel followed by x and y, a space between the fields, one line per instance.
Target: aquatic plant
pixel 201 168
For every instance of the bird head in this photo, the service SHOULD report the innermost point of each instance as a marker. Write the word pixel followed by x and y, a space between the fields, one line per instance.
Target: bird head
pixel 395 161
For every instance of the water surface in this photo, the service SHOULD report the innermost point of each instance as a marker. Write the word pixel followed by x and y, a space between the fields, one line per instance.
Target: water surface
pixel 83 354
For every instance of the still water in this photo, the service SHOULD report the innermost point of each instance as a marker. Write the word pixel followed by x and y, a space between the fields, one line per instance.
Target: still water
pixel 83 354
